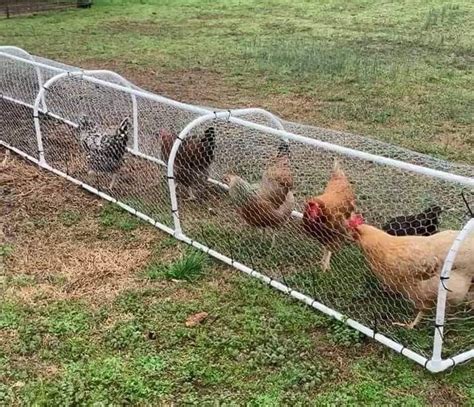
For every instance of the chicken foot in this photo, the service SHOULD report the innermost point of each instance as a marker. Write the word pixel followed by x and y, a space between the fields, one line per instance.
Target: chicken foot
pixel 326 260
pixel 412 324
pixel 191 195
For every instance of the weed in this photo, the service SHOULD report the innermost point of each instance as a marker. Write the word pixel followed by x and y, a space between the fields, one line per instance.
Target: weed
pixel 6 250
pixel 438 16
pixel 39 222
pixel 11 314
pixel 165 243
pixel 341 334
pixel 30 336
pixel 155 271
pixel 75 348
pixel 66 318
pixel 125 335
pixel 6 394
pixel 21 280
pixel 189 267
pixel 103 381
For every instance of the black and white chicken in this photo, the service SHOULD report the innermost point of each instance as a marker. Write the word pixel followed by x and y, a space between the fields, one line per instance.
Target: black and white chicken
pixel 104 150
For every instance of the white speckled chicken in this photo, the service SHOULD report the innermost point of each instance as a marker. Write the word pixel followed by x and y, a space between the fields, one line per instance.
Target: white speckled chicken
pixel 104 150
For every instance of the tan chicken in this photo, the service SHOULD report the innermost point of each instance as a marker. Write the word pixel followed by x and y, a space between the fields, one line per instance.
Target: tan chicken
pixel 269 203
pixel 325 216
pixel 411 265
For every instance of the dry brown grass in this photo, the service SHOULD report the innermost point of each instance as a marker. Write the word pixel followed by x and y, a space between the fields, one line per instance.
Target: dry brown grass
pixel 65 262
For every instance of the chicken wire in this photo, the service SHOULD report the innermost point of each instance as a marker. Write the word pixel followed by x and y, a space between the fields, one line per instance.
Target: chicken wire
pixel 115 139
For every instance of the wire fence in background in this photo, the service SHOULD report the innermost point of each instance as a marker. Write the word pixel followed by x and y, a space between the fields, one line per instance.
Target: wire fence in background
pixel 11 8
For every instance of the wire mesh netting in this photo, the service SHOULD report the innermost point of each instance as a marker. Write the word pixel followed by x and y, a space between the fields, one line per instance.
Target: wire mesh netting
pixel 363 238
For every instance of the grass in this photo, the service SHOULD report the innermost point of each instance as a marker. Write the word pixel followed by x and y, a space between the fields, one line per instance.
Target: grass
pixel 189 267
pixel 259 349
pixel 113 216
pixel 399 72
pixel 5 250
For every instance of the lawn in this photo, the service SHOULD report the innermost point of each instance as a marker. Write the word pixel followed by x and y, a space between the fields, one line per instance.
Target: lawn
pixel 399 71
pixel 95 304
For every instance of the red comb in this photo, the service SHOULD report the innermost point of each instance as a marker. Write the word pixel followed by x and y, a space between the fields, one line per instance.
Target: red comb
pixel 356 220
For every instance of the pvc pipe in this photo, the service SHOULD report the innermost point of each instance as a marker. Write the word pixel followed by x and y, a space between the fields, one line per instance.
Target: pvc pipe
pixel 463 357
pixel 39 76
pixel 130 150
pixel 170 170
pixel 174 150
pixel 141 92
pixel 358 154
pixel 284 134
pixel 129 85
pixel 19 152
pixel 442 290
pixel 309 301
pixel 10 99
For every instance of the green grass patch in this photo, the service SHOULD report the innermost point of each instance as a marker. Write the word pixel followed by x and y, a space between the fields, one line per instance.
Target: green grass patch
pixel 189 267
pixel 112 216
pixel 101 381
pixel 6 250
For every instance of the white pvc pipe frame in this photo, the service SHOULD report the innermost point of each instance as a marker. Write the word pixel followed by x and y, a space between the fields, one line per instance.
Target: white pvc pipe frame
pixel 38 66
pixel 435 364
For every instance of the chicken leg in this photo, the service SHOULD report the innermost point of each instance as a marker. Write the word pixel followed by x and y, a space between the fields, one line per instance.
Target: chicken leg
pixel 326 260
pixel 273 240
pixel 191 196
pixel 412 324
pixel 5 159
pixel 112 183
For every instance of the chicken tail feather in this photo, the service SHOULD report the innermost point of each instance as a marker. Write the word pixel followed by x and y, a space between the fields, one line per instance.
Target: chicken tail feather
pixel 284 149
pixel 209 141
pixel 124 125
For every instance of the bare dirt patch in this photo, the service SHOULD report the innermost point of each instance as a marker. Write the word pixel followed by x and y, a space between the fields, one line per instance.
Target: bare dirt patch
pixel 208 87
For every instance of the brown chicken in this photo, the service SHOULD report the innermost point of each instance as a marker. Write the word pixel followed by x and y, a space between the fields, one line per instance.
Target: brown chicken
pixel 325 216
pixel 269 203
pixel 411 265
pixel 194 157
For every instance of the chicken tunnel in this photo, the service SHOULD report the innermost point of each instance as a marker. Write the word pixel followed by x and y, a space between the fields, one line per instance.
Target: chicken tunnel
pixel 376 236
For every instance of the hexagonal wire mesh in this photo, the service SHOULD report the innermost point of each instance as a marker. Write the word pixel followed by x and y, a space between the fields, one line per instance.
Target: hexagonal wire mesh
pixel 290 204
